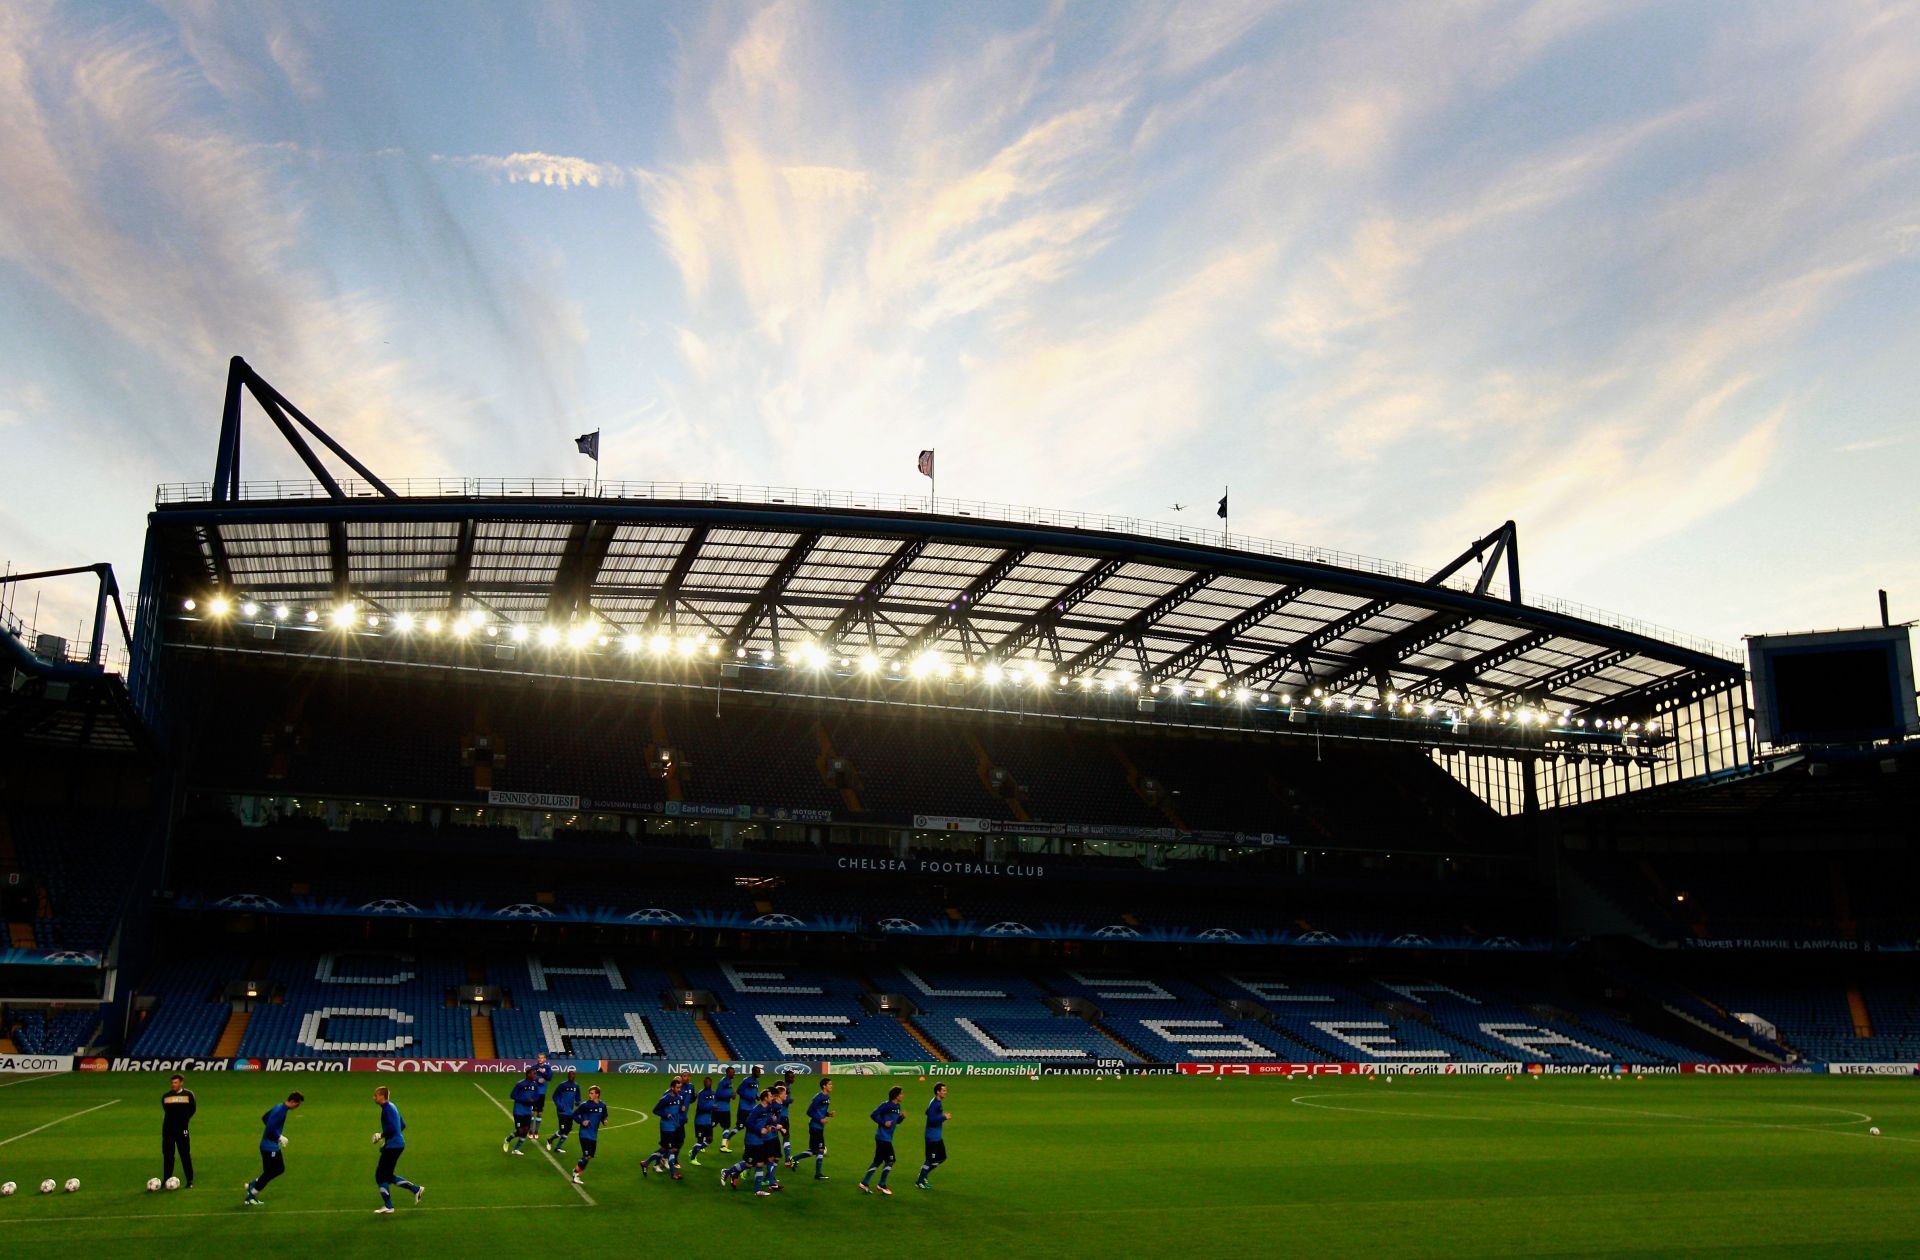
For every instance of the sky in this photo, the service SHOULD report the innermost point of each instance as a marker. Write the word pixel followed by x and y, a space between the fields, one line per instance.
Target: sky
pixel 1644 278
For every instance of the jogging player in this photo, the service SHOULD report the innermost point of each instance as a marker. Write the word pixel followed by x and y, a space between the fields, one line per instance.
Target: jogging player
pixel 819 1111
pixel 886 1119
pixel 392 1141
pixel 525 1090
pixel 749 1094
pixel 723 1109
pixel 673 1131
pixel 703 1103
pixel 273 1145
pixel 566 1096
pixel 177 1106
pixel 588 1116
pixel 937 1118
pixel 542 1073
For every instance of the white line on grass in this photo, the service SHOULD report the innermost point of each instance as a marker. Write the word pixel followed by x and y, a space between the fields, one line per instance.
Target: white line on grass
pixel 628 1124
pixel 62 1120
pixel 564 1174
pixel 29 1079
pixel 188 1216
pixel 1305 1100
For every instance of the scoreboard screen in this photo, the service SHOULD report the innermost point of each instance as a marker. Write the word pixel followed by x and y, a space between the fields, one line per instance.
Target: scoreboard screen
pixel 1844 686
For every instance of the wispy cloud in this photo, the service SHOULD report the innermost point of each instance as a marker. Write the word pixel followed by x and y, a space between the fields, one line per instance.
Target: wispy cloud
pixel 550 169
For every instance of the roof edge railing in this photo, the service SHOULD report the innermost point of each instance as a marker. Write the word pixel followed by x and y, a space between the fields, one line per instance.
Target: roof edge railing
pixel 534 488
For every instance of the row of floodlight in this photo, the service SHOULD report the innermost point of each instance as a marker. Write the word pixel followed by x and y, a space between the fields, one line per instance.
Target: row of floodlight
pixel 925 666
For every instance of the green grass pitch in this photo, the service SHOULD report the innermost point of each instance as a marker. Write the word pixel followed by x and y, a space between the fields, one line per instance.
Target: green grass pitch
pixel 1059 1167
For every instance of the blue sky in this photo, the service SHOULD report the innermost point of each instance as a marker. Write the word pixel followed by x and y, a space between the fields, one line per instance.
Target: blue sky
pixel 1645 278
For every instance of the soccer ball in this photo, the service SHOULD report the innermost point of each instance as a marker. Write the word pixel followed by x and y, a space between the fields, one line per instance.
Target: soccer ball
pixel 7 1189
pixel 46 1187
pixel 73 1183
pixel 153 1184
pixel 1875 1131
pixel 173 1183
pixel 376 1139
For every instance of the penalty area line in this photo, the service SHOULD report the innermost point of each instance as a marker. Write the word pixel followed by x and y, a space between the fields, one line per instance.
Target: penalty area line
pixel 28 1080
pixel 564 1175
pixel 62 1120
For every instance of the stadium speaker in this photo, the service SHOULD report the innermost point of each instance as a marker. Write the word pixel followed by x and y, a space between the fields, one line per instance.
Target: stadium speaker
pixel 506 652
pixel 729 671
pixel 263 630
pixel 1145 705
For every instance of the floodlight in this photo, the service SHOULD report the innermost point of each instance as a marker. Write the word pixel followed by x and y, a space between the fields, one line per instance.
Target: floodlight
pixel 403 622
pixel 1242 695
pixel 310 616
pixel 342 617
pixel 432 625
pixel 218 605
pixel 518 634
pixel 688 647
pixel 249 609
pixel 630 643
pixel 869 664
pixel 993 674
pixel 280 612
pixel 189 605
pixel 549 636
pixel 659 645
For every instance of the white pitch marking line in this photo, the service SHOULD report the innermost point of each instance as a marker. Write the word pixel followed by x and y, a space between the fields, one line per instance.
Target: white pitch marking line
pixel 628 1124
pixel 1304 1100
pixel 27 1080
pixel 188 1216
pixel 62 1120
pixel 564 1174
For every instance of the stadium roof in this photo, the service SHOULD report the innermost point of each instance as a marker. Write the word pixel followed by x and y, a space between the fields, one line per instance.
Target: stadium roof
pixel 763 570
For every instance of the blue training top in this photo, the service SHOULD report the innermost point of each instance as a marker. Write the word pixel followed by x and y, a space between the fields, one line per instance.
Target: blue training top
pixel 936 1118
pixel 392 1128
pixel 887 1116
pixel 276 1120
pixel 589 1116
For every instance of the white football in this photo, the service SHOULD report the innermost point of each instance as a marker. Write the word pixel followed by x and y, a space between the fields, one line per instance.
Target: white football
pixel 1875 1131
pixel 73 1183
pixel 46 1187
pixel 283 1141
pixel 173 1183
pixel 7 1189
pixel 376 1139
pixel 153 1184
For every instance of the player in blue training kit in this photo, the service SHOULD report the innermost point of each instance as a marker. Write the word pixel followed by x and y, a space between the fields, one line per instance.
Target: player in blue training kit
pixel 749 1093
pixel 762 1150
pixel 937 1117
pixel 886 1119
pixel 566 1096
pixel 588 1117
pixel 542 1073
pixel 392 1141
pixel 781 1110
pixel 723 1109
pixel 273 1141
pixel 525 1090
pixel 819 1111
pixel 673 1131
pixel 703 1104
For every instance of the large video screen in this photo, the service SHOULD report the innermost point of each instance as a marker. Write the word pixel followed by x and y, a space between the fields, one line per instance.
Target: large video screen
pixel 1845 686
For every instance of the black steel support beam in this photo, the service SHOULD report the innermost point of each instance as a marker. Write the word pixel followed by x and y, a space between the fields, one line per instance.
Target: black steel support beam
pixel 762 607
pixel 580 562
pixel 676 576
pixel 1040 625
pixel 1103 649
pixel 875 590
pixel 961 606
pixel 1462 673
pixel 1380 658
pixel 1216 642
pixel 460 568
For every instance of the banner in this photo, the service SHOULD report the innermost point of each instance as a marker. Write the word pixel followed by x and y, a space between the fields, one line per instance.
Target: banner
pixel 1750 1069
pixel 932 1069
pixel 16 1064
pixel 707 1067
pixel 497 1066
pixel 1349 1069
pixel 533 800
pixel 1873 1069
pixel 940 822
